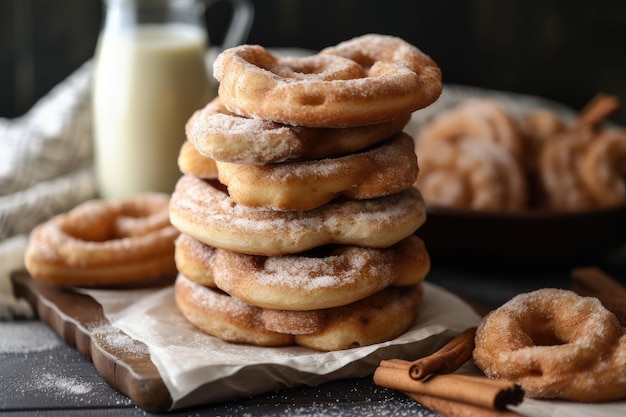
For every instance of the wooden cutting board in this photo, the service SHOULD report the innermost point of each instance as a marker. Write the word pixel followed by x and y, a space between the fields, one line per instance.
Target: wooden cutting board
pixel 123 362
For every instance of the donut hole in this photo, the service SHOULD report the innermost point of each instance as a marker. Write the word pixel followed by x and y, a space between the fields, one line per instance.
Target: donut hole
pixel 363 59
pixel 96 232
pixel 96 226
pixel 544 335
pixel 320 67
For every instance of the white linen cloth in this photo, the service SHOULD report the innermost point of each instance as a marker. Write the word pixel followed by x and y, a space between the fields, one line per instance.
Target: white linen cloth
pixel 45 169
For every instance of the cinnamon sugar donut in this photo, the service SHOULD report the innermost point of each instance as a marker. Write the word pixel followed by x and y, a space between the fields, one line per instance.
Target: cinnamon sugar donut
pixel 385 169
pixel 477 119
pixel 471 175
pixel 539 126
pixel 190 162
pixel 223 316
pixel 556 344
pixel 367 80
pixel 559 171
pixel 195 260
pixel 603 168
pixel 325 277
pixel 204 211
pixel 224 136
pixel 377 318
pixel 126 242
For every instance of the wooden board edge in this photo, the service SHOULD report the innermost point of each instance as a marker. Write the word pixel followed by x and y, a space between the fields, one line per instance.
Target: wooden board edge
pixel 78 320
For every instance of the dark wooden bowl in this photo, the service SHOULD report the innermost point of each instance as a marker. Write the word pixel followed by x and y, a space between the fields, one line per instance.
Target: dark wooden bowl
pixel 519 240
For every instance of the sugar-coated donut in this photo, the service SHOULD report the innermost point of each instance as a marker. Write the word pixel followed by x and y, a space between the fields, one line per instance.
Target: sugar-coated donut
pixel 366 80
pixel 556 344
pixel 387 168
pixel 477 119
pixel 377 318
pixel 559 171
pixel 224 136
pixel 223 316
pixel 126 242
pixel 195 260
pixel 325 277
pixel 603 168
pixel 204 211
pixel 190 162
pixel 471 175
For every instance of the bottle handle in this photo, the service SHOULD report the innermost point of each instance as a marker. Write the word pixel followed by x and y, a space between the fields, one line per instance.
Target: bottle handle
pixel 240 22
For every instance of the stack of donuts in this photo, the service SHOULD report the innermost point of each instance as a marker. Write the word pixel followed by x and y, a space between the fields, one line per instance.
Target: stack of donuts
pixel 296 207
pixel 479 156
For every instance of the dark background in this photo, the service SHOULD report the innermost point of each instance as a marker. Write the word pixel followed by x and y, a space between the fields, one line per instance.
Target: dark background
pixel 560 49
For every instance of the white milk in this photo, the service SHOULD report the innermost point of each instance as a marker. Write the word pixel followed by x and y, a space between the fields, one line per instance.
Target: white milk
pixel 147 83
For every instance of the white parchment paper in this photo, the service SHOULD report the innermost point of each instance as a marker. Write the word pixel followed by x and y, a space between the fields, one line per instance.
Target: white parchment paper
pixel 200 369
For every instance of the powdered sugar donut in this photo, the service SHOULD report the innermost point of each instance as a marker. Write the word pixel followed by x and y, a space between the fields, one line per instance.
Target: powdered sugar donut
pixel 367 80
pixel 190 162
pixel 471 175
pixel 477 119
pixel 556 344
pixel 377 318
pixel 387 168
pixel 224 136
pixel 559 171
pixel 603 168
pixel 326 277
pixel 202 210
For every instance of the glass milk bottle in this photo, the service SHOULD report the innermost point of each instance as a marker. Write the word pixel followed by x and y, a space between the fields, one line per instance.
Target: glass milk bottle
pixel 150 75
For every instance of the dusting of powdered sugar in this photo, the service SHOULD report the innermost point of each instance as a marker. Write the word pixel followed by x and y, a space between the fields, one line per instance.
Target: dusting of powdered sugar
pixel 27 336
pixel 61 384
pixel 115 341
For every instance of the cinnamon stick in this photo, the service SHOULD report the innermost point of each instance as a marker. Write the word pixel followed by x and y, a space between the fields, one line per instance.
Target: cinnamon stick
pixel 447 359
pixel 477 391
pixel 455 409
pixel 594 282
pixel 596 111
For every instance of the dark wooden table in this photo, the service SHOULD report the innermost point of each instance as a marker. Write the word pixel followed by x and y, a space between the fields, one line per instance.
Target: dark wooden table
pixel 41 374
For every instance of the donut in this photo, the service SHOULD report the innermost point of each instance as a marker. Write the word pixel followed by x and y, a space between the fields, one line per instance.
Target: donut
pixel 366 80
pixel 195 260
pixel 603 168
pixel 325 277
pixel 377 318
pixel 539 126
pixel 204 211
pixel 559 171
pixel 471 175
pixel 99 243
pixel 223 316
pixel 478 119
pixel 190 162
pixel 224 136
pixel 556 344
pixel 385 169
